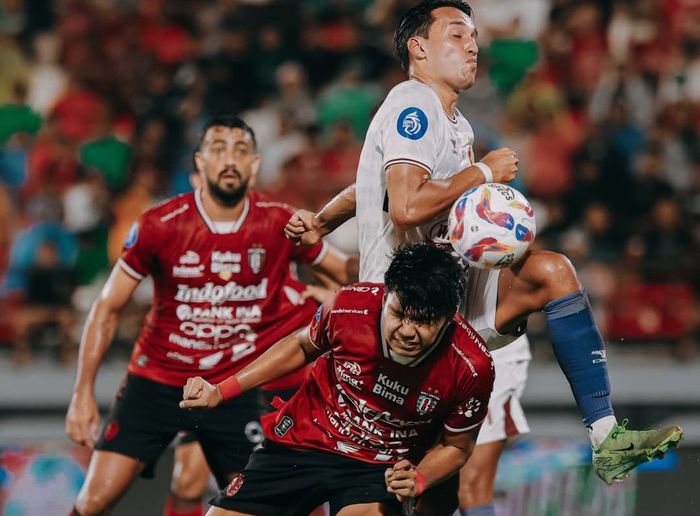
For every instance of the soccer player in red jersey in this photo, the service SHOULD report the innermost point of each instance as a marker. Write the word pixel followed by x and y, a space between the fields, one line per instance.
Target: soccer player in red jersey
pixel 392 406
pixel 223 293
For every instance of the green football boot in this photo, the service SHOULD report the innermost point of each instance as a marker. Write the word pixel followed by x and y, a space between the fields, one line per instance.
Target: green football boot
pixel 623 450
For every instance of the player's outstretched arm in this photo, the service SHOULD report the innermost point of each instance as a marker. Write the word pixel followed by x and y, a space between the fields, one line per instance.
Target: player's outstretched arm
pixel 408 481
pixel 415 198
pixel 284 357
pixel 307 228
pixel 83 418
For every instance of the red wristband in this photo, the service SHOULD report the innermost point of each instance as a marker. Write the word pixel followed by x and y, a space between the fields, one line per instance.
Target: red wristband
pixel 229 388
pixel 420 483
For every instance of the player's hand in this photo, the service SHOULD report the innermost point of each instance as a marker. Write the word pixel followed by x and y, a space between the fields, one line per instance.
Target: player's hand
pixel 83 419
pixel 401 480
pixel 199 393
pixel 301 229
pixel 503 163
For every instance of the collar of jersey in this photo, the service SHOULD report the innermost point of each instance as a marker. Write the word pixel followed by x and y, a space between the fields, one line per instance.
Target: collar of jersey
pixel 207 220
pixel 450 118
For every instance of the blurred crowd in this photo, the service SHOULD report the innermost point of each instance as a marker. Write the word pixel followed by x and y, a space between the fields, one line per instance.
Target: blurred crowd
pixel 101 102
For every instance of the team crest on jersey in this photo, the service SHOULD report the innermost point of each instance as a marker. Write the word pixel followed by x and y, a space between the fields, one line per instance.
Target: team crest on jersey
pixel 256 258
pixel 235 485
pixel 426 403
pixel 412 123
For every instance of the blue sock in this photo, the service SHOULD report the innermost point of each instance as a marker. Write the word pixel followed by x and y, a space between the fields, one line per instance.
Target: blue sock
pixel 580 352
pixel 479 510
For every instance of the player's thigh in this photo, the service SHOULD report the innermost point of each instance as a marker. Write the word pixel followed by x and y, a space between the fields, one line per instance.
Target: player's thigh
pixel 228 434
pixel 190 471
pixel 108 477
pixel 356 484
pixel 278 481
pixel 368 509
pixel 515 301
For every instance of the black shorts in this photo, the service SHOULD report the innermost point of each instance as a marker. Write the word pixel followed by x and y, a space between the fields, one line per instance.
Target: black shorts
pixel 146 417
pixel 283 481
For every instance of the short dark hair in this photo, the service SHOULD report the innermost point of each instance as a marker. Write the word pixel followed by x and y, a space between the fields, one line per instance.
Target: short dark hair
pixel 427 280
pixel 230 121
pixel 417 21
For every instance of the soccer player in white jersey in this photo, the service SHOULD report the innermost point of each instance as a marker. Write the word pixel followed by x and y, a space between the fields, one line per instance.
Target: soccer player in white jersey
pixel 416 161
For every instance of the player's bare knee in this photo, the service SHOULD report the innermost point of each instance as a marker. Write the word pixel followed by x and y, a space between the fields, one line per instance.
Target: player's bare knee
pixel 473 484
pixel 93 503
pixel 188 485
pixel 552 274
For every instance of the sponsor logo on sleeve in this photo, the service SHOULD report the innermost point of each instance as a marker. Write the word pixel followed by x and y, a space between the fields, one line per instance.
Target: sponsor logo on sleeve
pixel 132 237
pixel 470 408
pixel 412 123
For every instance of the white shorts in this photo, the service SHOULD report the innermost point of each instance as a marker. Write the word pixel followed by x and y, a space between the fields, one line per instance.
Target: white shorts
pixel 506 418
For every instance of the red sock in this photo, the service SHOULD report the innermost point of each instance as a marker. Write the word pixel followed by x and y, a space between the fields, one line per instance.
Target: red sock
pixel 176 506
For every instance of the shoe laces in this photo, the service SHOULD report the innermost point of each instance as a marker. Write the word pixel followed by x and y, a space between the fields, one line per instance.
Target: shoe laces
pixel 620 429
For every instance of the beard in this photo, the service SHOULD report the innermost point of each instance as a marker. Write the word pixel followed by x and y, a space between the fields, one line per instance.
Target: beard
pixel 227 197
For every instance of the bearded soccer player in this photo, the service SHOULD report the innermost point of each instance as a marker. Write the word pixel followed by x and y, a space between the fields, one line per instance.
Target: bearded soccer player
pixel 392 405
pixel 223 294
pixel 416 161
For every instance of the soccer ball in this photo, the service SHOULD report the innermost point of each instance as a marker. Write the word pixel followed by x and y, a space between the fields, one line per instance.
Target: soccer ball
pixel 491 226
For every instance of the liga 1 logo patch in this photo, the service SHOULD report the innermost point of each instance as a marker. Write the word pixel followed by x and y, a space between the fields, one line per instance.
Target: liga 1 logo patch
pixel 412 123
pixel 132 237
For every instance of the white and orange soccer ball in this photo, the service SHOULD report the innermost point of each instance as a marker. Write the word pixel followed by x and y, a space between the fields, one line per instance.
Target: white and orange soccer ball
pixel 491 226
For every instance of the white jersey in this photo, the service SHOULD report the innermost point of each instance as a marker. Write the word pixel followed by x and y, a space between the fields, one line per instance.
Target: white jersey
pixel 480 312
pixel 409 127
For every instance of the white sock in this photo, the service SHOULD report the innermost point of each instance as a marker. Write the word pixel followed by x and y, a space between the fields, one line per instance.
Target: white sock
pixel 599 430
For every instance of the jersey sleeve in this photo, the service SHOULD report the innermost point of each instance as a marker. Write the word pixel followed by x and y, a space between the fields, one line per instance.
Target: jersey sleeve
pixel 411 133
pixel 471 410
pixel 319 329
pixel 310 255
pixel 138 256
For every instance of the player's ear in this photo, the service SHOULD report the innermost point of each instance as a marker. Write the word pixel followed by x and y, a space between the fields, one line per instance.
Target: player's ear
pixel 198 160
pixel 195 180
pixel 416 47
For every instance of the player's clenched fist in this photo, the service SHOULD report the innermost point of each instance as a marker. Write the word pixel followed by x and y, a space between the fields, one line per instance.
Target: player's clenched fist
pixel 301 229
pixel 83 419
pixel 404 480
pixel 199 393
pixel 503 163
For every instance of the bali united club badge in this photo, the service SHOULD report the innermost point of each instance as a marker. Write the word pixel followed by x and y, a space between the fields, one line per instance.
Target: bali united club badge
pixel 426 403
pixel 256 258
pixel 235 485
